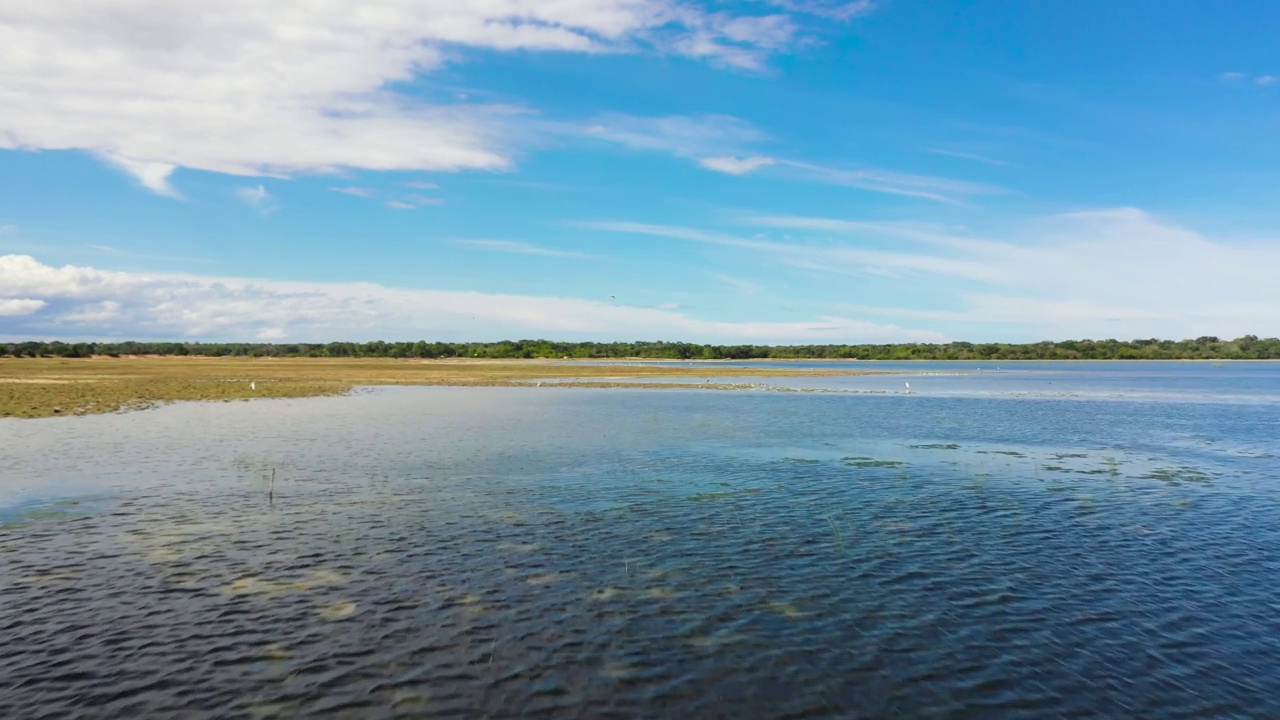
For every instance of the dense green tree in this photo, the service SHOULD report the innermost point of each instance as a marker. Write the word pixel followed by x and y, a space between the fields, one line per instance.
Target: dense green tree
pixel 1249 347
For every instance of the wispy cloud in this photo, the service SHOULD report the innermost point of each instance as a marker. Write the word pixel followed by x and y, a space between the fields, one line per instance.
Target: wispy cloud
pixel 721 143
pixel 925 187
pixel 929 233
pixel 258 198
pixel 736 166
pixel 742 286
pixel 1116 272
pixel 89 301
pixel 834 10
pixel 363 192
pixel 1259 80
pixel 688 136
pixel 421 185
pixel 421 200
pixel 117 252
pixel 976 157
pixel 845 260
pixel 253 195
pixel 413 202
pixel 519 248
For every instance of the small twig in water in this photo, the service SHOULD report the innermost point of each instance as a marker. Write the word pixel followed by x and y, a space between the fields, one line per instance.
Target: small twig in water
pixel 836 532
pixel 271 490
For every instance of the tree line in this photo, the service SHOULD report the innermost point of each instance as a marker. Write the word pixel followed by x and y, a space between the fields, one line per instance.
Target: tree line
pixel 1249 347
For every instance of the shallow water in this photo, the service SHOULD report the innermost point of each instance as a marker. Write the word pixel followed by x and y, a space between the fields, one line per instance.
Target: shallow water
pixel 1236 382
pixel 556 552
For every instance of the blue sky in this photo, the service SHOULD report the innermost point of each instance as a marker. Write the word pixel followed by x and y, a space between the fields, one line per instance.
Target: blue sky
pixel 777 171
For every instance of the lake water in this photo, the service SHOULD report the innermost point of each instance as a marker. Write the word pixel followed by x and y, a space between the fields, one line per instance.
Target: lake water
pixel 1091 540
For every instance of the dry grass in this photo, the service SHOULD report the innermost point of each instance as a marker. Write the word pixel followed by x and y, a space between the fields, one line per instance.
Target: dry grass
pixel 43 387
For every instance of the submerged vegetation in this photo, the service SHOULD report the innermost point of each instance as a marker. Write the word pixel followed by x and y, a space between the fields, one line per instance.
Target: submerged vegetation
pixel 1249 347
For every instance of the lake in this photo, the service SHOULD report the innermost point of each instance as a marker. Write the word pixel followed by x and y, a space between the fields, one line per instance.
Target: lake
pixel 1042 539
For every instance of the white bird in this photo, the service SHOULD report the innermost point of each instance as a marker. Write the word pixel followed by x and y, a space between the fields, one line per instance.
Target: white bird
pixel 908 388
pixel 253 385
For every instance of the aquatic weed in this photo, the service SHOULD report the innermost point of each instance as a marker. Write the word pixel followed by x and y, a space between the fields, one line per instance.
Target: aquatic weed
pixel 866 462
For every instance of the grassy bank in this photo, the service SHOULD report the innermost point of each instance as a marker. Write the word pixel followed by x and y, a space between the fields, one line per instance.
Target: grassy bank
pixel 42 387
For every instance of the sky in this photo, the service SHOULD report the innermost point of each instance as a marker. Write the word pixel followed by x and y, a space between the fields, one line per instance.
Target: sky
pixel 737 171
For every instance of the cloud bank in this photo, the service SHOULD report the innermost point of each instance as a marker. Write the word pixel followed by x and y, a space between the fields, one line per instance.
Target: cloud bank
pixel 277 88
pixel 38 300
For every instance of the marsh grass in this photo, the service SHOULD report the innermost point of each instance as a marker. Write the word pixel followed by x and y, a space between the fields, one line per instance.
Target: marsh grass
pixel 45 387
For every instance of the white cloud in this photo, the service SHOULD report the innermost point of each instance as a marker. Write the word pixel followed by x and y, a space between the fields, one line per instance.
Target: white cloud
pixel 363 192
pixel 421 185
pixel 397 205
pixel 1267 80
pixel 519 248
pixel 292 86
pixel 736 166
pixel 171 305
pixel 152 175
pixel 1232 76
pixel 17 307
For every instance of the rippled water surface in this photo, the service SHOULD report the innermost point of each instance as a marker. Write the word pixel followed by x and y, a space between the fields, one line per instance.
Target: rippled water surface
pixel 560 552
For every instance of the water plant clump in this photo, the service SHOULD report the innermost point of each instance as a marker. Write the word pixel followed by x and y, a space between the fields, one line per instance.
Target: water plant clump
pixel 868 462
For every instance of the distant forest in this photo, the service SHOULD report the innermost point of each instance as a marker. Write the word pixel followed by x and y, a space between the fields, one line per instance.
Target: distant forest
pixel 1248 347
